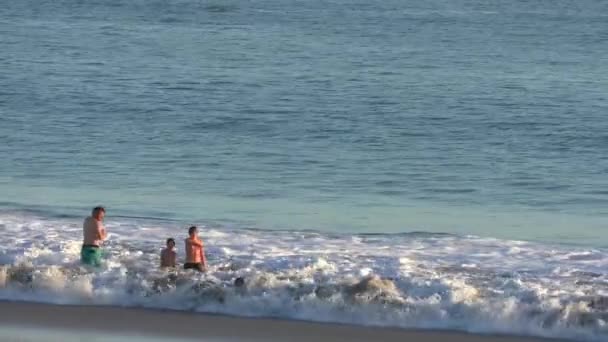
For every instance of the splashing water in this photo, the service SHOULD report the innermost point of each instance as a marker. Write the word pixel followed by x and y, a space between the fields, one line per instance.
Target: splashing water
pixel 408 280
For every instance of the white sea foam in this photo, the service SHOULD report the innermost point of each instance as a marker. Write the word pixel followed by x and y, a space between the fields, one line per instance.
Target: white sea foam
pixel 409 280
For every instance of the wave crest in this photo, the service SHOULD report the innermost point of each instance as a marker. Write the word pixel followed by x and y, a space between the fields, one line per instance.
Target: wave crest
pixel 411 281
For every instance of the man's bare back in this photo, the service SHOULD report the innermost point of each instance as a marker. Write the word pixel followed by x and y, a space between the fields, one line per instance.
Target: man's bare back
pixel 94 232
pixel 93 235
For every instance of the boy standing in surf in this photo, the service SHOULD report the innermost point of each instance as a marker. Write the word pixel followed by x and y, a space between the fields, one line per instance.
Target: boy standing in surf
pixel 195 251
pixel 94 234
pixel 168 255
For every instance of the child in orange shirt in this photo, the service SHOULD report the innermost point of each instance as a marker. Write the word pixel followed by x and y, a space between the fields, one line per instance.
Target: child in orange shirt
pixel 195 251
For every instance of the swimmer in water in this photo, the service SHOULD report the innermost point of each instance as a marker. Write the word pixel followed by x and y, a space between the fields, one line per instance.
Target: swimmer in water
pixel 94 234
pixel 195 251
pixel 168 255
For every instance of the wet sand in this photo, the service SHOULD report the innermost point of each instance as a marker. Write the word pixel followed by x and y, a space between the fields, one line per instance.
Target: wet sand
pixel 132 324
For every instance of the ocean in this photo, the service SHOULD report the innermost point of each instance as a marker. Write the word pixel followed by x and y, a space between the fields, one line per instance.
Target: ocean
pixel 426 164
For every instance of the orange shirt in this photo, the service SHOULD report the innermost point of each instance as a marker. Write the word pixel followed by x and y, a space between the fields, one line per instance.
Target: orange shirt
pixel 194 251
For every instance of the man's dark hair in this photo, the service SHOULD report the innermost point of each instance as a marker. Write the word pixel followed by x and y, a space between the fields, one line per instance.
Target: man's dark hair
pixel 170 240
pixel 239 282
pixel 98 209
pixel 191 229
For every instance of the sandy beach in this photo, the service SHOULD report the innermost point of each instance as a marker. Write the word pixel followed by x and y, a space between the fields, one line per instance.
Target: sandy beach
pixel 114 322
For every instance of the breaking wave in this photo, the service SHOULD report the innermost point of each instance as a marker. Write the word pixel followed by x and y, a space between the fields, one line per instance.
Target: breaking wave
pixel 436 281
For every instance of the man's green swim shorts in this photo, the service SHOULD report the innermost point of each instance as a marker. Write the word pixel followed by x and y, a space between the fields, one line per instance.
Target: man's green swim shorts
pixel 90 255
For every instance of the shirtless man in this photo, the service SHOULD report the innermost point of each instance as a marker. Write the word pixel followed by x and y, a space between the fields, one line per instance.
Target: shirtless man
pixel 195 252
pixel 94 235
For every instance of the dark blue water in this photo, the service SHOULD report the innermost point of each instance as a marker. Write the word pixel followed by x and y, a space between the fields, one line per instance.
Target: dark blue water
pixel 470 117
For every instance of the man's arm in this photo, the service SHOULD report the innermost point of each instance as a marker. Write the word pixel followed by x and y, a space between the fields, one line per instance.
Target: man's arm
pixel 101 231
pixel 197 243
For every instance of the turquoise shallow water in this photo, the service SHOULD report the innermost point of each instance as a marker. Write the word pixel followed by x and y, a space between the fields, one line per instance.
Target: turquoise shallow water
pixel 465 117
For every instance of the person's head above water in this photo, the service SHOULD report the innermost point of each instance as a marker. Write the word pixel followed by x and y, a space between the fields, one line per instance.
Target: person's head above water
pixel 239 282
pixel 170 243
pixel 98 213
pixel 192 231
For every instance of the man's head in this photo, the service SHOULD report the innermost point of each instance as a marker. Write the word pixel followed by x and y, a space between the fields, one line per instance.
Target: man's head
pixel 98 213
pixel 170 243
pixel 239 282
pixel 192 231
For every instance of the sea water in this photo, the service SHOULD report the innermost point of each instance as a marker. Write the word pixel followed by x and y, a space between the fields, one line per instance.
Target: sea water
pixel 408 163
